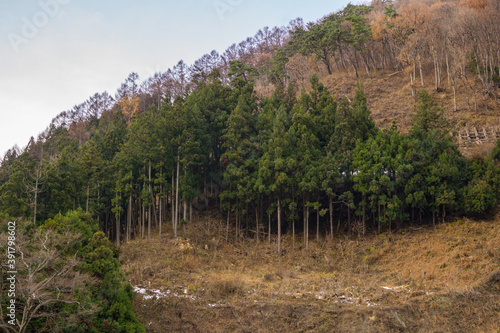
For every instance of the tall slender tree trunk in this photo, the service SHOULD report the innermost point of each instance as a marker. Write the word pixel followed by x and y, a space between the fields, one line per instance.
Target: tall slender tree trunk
pixel 129 215
pixel 279 227
pixel 149 222
pixel 412 83
pixel 349 218
pixel 364 214
pixel 161 204
pixel 117 224
pixel 354 65
pixel 257 222
pixel 152 209
pixel 227 224
pixel 342 60
pixel 367 67
pixel 454 86
pixel 160 218
pixel 177 195
pixel 304 222
pixel 436 75
pixel 317 225
pixel 237 232
pixel 172 202
pixel 246 218
pixel 379 218
pixel 330 203
pixel 307 228
pixel 184 218
pixel 385 217
pixel 143 217
pixel 444 211
pixel 36 197
pixel 269 229
pixel 420 69
pixel 447 68
pixel 327 62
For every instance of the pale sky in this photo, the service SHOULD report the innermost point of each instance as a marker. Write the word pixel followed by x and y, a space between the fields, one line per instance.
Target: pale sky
pixel 56 53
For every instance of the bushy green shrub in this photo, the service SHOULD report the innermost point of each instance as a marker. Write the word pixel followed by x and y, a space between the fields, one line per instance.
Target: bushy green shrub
pixel 109 296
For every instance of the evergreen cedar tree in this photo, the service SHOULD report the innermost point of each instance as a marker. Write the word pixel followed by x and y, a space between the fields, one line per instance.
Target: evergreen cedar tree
pixel 189 139
pixel 283 159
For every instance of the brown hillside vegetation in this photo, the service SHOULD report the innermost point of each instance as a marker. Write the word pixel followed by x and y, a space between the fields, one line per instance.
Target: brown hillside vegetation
pixel 445 279
pixel 390 99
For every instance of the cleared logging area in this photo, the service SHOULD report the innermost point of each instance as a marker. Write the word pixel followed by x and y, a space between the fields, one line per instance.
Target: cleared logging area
pixel 417 280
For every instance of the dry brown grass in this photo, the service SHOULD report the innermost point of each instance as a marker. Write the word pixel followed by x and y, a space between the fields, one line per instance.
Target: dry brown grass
pixel 389 98
pixel 443 279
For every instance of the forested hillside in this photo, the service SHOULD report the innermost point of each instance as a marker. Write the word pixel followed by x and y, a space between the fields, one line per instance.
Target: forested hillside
pixel 266 135
pixel 207 135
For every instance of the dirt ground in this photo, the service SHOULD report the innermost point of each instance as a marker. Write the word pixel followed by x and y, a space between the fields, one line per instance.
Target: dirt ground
pixel 421 279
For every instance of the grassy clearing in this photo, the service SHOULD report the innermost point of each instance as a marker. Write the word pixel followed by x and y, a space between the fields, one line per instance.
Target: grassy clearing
pixel 419 279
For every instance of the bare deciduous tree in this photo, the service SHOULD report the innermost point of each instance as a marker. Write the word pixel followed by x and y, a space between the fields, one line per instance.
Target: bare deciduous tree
pixel 45 276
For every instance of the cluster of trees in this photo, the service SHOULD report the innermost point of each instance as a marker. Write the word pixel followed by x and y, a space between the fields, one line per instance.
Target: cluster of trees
pixel 281 159
pixel 457 40
pixel 198 136
pixel 453 42
pixel 68 279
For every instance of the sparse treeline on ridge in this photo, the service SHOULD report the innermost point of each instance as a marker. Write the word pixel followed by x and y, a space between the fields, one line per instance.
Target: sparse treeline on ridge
pixel 210 136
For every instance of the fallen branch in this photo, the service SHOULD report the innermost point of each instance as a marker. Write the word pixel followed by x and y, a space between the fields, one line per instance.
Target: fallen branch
pixel 394 74
pixel 236 317
pixel 343 92
pixel 398 319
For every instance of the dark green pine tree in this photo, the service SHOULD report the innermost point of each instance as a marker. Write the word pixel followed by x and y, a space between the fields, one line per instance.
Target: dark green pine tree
pixel 109 137
pixel 439 162
pixel 302 137
pixel 13 196
pixel 215 102
pixel 353 122
pixel 91 166
pixel 239 159
pixel 318 40
pixel 428 117
pixel 275 166
pixel 481 194
pixel 63 185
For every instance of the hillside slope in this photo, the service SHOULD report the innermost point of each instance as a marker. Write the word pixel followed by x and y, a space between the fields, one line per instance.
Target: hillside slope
pixel 416 280
pixel 390 99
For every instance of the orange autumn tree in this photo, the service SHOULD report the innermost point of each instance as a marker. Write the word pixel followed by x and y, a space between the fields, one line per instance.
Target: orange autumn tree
pixel 130 107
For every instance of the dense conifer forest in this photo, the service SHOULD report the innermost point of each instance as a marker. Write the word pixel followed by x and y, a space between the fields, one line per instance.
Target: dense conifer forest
pixel 254 135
